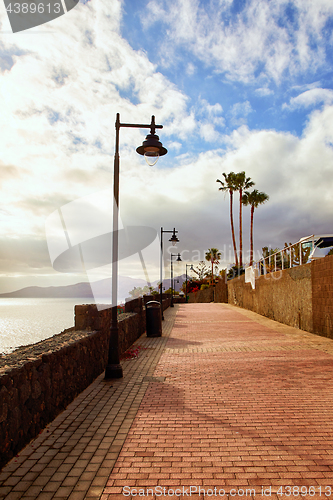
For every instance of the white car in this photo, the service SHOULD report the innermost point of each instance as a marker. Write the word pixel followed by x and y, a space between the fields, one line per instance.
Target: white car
pixel 319 245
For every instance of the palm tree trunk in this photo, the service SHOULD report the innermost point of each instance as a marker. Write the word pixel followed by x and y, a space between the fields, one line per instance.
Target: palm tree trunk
pixel 240 229
pixel 212 271
pixel 251 236
pixel 232 228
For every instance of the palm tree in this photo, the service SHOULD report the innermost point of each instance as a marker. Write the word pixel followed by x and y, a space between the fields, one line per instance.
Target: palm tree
pixel 213 255
pixel 229 184
pixel 255 198
pixel 242 182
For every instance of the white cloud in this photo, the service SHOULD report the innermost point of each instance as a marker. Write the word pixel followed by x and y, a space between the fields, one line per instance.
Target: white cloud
pixel 57 129
pixel 265 39
pixel 239 112
pixel 68 80
pixel 209 117
pixel 62 118
pixel 313 97
pixel 263 91
pixel 295 172
pixel 208 132
pixel 176 146
pixel 190 69
pixel 213 110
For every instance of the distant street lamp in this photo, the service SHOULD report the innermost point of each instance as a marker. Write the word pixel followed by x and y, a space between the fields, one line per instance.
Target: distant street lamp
pixel 151 149
pixel 174 240
pixel 178 260
pixel 191 269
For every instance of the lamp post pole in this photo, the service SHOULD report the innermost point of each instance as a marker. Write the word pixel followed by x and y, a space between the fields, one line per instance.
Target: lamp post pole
pixel 178 260
pixel 151 149
pixel 171 305
pixel 191 269
pixel 173 240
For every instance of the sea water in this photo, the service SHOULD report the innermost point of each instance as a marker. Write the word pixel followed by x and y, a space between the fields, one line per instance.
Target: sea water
pixel 27 321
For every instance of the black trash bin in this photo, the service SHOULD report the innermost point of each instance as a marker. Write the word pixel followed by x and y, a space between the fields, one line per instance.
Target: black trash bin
pixel 153 319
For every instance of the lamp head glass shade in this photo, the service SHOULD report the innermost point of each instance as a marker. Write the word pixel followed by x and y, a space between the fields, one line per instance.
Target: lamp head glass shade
pixel 151 157
pixel 179 258
pixel 151 149
pixel 174 240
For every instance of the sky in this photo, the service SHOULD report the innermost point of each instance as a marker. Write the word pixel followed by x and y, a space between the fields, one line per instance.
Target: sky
pixel 238 85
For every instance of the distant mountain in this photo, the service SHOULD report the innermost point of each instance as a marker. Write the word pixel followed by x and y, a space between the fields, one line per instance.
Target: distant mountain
pixel 79 290
pixel 83 290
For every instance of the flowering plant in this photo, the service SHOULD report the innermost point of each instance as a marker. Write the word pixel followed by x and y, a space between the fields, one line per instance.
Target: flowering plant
pixel 132 352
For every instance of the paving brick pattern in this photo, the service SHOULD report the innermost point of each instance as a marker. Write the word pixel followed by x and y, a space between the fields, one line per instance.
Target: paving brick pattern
pixel 73 457
pixel 243 403
pixel 226 401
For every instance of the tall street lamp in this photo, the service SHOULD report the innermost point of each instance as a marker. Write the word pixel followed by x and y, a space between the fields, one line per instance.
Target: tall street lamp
pixel 151 149
pixel 191 269
pixel 178 260
pixel 174 240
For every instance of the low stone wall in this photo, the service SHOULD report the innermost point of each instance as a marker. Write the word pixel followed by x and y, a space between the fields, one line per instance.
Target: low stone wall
pixel 284 296
pixel 179 300
pixel 37 382
pixel 130 325
pixel 166 299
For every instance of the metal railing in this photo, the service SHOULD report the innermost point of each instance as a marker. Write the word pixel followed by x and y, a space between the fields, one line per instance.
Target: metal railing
pixel 294 255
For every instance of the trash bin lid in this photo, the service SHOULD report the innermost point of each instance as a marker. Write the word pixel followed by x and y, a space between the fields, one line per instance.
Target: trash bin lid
pixel 153 303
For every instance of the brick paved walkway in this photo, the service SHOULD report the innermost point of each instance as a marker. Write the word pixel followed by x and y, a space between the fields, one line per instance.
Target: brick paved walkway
pixel 73 457
pixel 244 404
pixel 230 402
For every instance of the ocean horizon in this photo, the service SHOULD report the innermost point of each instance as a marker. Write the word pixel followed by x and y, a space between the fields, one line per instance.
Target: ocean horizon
pixel 26 321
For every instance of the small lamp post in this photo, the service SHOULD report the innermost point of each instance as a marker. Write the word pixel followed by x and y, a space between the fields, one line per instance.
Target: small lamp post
pixel 178 260
pixel 174 240
pixel 151 149
pixel 191 269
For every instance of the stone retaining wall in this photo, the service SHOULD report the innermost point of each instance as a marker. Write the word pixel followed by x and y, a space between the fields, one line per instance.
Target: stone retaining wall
pixel 221 291
pixel 284 296
pixel 322 296
pixel 37 382
pixel 301 297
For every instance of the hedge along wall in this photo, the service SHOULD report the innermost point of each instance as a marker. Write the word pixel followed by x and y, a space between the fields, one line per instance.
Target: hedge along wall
pixel 37 382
